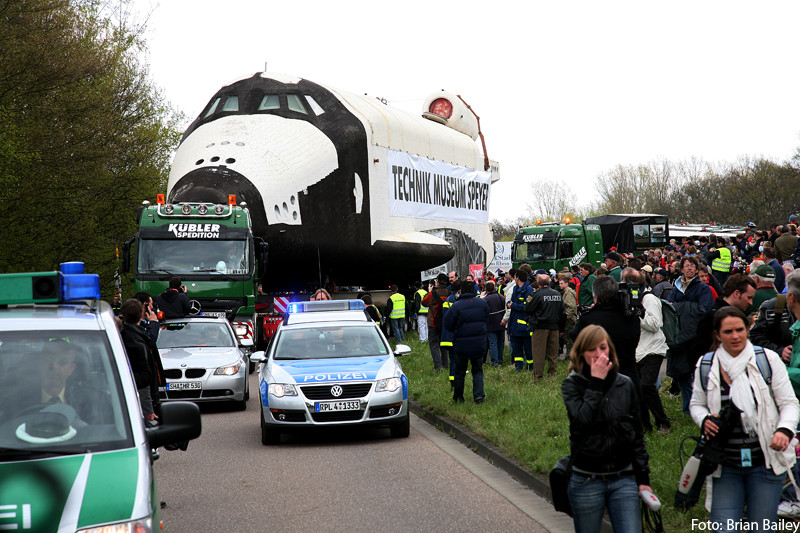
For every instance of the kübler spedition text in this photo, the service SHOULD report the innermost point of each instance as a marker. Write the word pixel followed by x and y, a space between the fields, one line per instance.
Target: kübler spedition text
pixel 411 185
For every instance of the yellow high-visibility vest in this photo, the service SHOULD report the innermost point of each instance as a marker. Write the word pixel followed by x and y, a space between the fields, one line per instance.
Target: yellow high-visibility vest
pixel 723 263
pixel 398 306
pixel 422 309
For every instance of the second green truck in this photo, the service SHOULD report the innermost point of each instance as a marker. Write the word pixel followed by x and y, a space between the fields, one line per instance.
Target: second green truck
pixel 556 246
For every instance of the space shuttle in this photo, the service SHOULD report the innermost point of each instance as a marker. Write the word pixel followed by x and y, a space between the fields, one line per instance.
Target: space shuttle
pixel 341 186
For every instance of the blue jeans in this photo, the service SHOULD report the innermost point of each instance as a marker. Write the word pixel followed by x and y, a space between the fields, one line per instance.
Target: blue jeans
pixel 758 487
pixel 461 373
pixel 520 350
pixel 397 328
pixel 496 345
pixel 590 497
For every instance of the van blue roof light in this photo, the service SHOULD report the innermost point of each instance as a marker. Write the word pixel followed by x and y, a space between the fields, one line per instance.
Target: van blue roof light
pixel 66 285
pixel 326 305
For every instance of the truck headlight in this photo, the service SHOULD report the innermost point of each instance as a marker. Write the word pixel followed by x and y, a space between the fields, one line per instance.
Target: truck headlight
pixel 388 385
pixel 231 370
pixel 279 390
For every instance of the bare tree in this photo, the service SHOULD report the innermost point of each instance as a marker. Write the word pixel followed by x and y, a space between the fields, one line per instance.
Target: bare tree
pixel 551 201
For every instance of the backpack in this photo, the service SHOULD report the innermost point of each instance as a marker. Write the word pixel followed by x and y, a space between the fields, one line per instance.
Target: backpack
pixel 761 360
pixel 671 322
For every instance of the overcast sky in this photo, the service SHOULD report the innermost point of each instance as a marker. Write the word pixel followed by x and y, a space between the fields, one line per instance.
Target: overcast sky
pixel 565 90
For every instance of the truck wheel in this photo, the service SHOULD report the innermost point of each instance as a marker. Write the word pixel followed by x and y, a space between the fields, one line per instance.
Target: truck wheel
pixel 402 429
pixel 269 436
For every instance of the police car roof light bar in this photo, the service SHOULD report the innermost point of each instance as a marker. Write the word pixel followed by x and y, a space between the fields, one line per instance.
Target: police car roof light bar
pixel 326 305
pixel 69 284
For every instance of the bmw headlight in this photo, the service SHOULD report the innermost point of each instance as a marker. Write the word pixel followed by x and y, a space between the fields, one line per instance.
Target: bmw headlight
pixel 145 525
pixel 279 390
pixel 231 370
pixel 388 385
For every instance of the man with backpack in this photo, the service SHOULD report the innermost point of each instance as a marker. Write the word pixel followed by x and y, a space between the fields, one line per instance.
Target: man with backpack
pixel 776 327
pixel 433 301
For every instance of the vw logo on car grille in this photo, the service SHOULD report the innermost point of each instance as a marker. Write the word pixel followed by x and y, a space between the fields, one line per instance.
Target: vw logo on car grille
pixel 336 391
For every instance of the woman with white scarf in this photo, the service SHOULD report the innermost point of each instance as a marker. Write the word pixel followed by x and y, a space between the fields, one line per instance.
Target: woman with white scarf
pixel 757 450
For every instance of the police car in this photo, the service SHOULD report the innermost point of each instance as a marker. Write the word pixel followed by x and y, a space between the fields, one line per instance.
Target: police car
pixel 74 453
pixel 327 365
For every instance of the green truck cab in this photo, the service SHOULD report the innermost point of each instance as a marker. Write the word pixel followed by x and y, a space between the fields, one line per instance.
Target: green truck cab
pixel 555 246
pixel 211 248
pixel 75 455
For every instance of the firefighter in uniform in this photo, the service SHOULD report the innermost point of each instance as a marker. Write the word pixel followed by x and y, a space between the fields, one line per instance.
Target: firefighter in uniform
pixel 446 343
pixel 421 312
pixel 396 309
pixel 518 334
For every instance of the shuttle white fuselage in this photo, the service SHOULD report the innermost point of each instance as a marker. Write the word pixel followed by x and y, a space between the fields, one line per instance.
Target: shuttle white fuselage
pixel 336 182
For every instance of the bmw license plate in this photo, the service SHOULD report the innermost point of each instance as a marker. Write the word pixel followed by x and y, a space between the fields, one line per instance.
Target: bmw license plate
pixel 184 385
pixel 326 407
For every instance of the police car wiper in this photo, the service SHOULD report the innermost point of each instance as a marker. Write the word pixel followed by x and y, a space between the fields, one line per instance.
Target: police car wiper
pixel 9 454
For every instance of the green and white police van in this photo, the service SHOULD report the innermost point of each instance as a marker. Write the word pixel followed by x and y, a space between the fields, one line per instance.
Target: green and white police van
pixel 75 455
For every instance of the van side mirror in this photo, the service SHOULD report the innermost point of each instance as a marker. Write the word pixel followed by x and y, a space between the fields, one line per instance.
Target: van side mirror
pixel 177 422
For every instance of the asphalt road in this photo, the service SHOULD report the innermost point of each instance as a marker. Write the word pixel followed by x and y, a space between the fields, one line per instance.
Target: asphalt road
pixel 339 480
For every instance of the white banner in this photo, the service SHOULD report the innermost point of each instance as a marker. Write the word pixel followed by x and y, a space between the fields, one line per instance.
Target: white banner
pixel 502 257
pixel 425 188
pixel 431 273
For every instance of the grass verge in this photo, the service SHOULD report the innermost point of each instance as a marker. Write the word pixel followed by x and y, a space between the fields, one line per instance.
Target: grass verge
pixel 529 422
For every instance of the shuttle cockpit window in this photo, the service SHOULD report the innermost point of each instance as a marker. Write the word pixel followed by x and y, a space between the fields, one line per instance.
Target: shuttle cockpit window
pixel 269 101
pixel 296 103
pixel 212 108
pixel 315 107
pixel 231 104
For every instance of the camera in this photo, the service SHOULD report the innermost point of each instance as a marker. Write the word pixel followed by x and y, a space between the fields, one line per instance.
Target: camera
pixel 708 454
pixel 630 296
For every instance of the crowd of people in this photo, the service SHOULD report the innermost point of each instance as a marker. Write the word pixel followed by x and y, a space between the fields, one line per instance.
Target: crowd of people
pixel 736 298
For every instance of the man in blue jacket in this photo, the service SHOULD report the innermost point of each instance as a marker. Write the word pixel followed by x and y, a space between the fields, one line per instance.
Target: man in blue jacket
pixel 518 335
pixel 466 319
pixel 446 338
pixel 692 300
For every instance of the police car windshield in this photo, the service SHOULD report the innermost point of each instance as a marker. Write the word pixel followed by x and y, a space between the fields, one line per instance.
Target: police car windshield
pixel 183 257
pixel 59 391
pixel 326 342
pixel 190 334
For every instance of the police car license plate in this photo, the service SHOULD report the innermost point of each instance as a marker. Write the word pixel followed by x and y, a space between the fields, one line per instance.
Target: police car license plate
pixel 184 385
pixel 325 407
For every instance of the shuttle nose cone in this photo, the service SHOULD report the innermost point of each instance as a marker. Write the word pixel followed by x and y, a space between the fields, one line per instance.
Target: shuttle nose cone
pixel 280 157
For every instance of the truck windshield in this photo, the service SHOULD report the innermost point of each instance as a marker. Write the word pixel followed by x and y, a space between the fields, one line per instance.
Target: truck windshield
pixel 59 392
pixel 181 257
pixel 535 251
